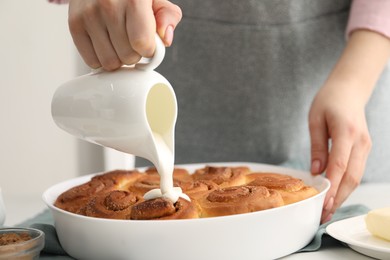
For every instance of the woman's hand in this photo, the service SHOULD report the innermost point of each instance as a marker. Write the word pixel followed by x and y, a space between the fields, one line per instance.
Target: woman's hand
pixel 337 114
pixel 110 33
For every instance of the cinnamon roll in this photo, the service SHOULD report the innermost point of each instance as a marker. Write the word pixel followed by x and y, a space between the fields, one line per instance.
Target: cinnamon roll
pixel 120 179
pixel 151 180
pixel 223 176
pixel 214 191
pixel 114 204
pixel 292 189
pixel 237 200
pixel 162 208
pixel 145 183
pixel 77 197
pixel 179 174
pixel 197 189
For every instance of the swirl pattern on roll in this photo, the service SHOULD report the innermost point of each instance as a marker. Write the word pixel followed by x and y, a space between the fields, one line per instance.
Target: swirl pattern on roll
pixel 223 176
pixel 239 199
pixel 197 189
pixel 116 204
pixel 76 198
pixel 151 180
pixel 161 208
pixel 292 189
pixel 214 191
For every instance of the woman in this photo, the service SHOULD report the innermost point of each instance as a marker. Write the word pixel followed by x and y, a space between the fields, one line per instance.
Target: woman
pixel 249 74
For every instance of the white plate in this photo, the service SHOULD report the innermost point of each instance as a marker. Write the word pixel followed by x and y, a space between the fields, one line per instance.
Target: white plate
pixel 354 233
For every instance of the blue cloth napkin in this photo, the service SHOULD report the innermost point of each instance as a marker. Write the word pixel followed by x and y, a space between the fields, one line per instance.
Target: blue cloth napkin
pixel 53 249
pixel 341 213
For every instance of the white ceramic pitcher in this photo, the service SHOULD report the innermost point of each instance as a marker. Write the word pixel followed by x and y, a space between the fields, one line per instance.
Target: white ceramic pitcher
pixel 120 109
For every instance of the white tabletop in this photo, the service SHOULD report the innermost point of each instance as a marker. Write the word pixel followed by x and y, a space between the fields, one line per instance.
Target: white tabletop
pixel 21 206
pixel 373 195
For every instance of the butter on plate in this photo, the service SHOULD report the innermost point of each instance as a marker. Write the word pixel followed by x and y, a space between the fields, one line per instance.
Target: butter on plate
pixel 378 223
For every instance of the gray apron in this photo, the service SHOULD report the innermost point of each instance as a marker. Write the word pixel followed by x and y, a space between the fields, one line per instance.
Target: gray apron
pixel 245 73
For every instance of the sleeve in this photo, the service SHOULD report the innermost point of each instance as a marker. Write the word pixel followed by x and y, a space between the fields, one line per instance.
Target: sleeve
pixel 372 15
pixel 59 1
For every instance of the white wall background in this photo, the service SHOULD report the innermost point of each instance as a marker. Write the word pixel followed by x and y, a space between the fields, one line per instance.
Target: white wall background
pixel 36 55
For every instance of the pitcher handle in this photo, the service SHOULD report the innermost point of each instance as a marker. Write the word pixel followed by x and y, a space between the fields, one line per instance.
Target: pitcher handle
pixel 157 58
pixel 145 63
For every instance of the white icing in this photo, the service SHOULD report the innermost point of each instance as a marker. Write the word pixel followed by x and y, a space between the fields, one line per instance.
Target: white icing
pixel 165 166
pixel 173 194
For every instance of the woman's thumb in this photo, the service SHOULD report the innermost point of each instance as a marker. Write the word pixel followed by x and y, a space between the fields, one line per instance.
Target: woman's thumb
pixel 167 15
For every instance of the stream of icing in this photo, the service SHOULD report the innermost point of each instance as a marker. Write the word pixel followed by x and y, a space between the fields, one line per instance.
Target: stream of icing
pixel 165 166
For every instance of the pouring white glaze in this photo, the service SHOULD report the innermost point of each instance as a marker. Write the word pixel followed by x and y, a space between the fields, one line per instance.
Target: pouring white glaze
pixel 132 109
pixel 165 165
pixel 160 114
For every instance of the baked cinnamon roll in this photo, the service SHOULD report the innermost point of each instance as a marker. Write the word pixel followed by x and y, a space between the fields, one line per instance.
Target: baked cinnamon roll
pixel 237 200
pixel 214 191
pixel 77 197
pixel 145 183
pixel 197 189
pixel 151 180
pixel 179 174
pixel 115 204
pixel 162 208
pixel 292 189
pixel 223 176
pixel 120 179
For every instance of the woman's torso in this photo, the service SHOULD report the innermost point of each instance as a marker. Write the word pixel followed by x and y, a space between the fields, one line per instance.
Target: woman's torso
pixel 245 73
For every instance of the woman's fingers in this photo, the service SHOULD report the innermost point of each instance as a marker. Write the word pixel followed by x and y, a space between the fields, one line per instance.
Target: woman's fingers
pixel 347 161
pixel 141 27
pixel 110 33
pixel 115 19
pixel 86 22
pixel 80 36
pixel 85 48
pixel 339 158
pixel 355 169
pixel 168 15
pixel 319 143
pixel 103 47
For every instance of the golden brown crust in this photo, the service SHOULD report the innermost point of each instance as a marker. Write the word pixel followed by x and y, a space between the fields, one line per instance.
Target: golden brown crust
pixel 114 204
pixel 197 189
pixel 275 181
pixel 179 174
pixel 223 176
pixel 237 200
pixel 151 180
pixel 120 179
pixel 145 183
pixel 162 208
pixel 76 198
pixel 214 191
pixel 292 189
pixel 296 196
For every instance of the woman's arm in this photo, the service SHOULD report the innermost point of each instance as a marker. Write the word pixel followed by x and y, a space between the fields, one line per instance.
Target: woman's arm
pixel 373 15
pixel 338 114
